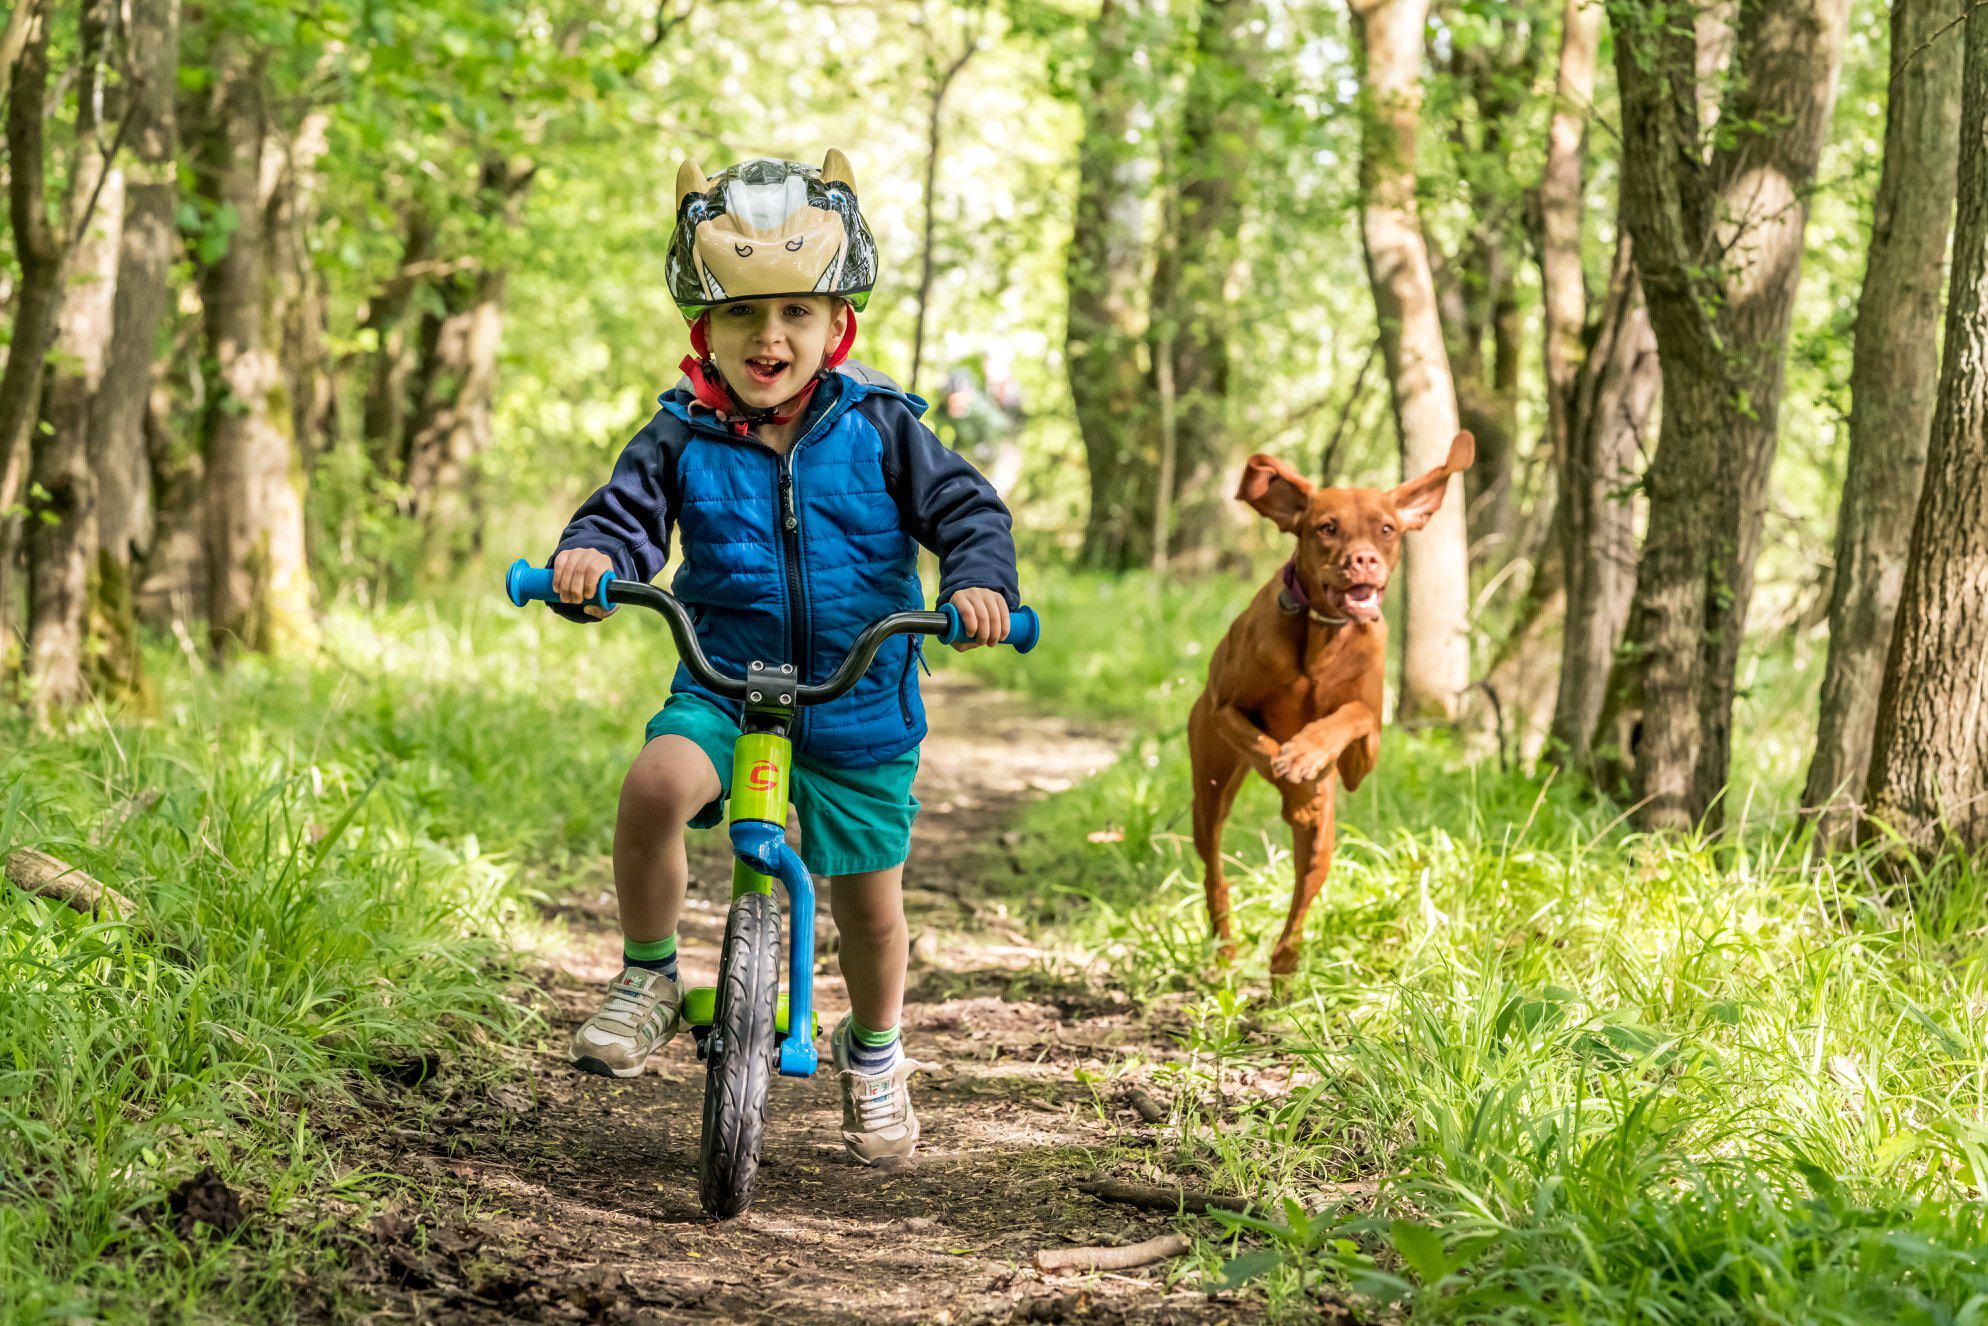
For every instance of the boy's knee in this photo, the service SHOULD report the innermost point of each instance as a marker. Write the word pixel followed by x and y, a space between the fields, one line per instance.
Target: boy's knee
pixel 665 789
pixel 869 927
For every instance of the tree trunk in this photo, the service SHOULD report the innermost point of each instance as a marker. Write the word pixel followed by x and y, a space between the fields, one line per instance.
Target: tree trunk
pixel 384 416
pixel 149 244
pixel 1718 244
pixel 1894 381
pixel 1608 418
pixel 934 124
pixel 1562 200
pixel 299 310
pixel 1929 770
pixel 1435 657
pixel 1103 275
pixel 38 298
pixel 457 376
pixel 1191 313
pixel 1476 290
pixel 258 579
pixel 62 505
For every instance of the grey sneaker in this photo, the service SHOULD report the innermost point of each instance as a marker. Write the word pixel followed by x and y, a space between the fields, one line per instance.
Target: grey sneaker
pixel 638 1016
pixel 878 1123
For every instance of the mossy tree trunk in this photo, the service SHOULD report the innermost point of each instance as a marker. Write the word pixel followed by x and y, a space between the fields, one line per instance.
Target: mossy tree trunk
pixel 1929 765
pixel 258 577
pixel 1718 243
pixel 1894 382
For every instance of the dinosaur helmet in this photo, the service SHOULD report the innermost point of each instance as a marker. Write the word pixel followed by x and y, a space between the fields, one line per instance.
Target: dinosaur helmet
pixel 765 228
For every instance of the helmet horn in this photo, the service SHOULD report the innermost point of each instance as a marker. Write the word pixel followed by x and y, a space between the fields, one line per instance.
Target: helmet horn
pixel 835 169
pixel 689 180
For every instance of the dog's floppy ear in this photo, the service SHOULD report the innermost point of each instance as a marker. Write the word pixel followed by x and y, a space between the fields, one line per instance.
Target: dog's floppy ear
pixel 1275 490
pixel 1419 499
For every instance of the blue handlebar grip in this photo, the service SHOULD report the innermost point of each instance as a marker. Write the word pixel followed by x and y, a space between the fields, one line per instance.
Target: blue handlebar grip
pixel 526 583
pixel 1024 628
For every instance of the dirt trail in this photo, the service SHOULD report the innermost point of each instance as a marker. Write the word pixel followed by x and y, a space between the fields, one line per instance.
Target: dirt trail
pixel 583 1205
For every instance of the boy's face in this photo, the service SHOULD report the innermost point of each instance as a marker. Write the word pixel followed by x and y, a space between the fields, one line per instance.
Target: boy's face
pixel 768 349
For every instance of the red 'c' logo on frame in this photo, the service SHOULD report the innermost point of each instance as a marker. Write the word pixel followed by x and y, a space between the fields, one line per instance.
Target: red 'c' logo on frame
pixel 765 776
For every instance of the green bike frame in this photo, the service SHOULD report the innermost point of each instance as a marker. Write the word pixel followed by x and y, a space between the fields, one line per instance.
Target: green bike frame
pixel 762 772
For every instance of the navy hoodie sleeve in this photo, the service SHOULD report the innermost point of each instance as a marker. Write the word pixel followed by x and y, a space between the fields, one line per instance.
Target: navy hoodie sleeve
pixel 629 516
pixel 946 504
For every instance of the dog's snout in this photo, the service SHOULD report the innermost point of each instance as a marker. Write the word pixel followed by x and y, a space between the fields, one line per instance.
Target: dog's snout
pixel 1361 562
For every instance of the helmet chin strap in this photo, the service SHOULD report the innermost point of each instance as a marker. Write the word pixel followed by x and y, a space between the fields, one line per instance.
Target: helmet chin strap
pixel 708 384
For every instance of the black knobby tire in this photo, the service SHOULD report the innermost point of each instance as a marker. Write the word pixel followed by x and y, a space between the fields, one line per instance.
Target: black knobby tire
pixel 741 1062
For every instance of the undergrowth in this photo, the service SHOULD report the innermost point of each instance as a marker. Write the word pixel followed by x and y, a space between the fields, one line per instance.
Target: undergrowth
pixel 327 860
pixel 1535 1067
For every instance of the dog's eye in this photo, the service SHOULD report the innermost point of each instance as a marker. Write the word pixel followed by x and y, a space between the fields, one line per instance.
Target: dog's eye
pixel 1329 528
pixel 1387 530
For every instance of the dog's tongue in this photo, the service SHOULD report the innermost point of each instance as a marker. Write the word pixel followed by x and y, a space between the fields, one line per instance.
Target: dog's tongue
pixel 1363 602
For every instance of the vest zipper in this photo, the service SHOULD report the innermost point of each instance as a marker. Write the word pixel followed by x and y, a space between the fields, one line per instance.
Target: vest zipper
pixel 790 557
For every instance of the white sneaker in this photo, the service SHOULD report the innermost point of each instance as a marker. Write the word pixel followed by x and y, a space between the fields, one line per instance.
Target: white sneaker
pixel 878 1123
pixel 639 1016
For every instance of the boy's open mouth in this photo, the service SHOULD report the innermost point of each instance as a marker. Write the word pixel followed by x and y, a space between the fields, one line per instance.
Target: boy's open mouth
pixel 765 371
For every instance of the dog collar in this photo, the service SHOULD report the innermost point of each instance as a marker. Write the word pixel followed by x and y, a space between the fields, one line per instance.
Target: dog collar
pixel 1291 598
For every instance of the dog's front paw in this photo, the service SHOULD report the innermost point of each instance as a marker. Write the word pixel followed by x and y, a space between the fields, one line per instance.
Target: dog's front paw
pixel 1299 762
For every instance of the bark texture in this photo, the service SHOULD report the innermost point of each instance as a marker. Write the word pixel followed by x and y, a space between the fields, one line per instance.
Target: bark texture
pixel 40 248
pixel 149 246
pixel 1929 769
pixel 1435 656
pixel 1608 417
pixel 1894 382
pixel 1563 281
pixel 1718 243
pixel 456 375
pixel 1477 288
pixel 62 505
pixel 258 580
pixel 1197 268
pixel 1104 272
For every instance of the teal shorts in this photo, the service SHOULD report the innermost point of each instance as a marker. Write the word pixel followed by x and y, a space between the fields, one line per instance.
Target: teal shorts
pixel 852 820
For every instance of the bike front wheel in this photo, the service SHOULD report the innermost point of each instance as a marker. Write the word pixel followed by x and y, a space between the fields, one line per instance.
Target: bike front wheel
pixel 739 1064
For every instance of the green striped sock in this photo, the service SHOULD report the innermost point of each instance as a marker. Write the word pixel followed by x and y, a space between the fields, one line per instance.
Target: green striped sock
pixel 654 954
pixel 873 1052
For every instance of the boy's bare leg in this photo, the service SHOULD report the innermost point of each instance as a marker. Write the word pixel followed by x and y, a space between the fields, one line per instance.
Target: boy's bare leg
pixel 875 944
pixel 670 781
pixel 878 1124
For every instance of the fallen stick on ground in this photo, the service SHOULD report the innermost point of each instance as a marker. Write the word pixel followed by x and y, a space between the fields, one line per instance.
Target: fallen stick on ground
pixel 46 876
pixel 1145 1106
pixel 1162 1199
pixel 1112 1259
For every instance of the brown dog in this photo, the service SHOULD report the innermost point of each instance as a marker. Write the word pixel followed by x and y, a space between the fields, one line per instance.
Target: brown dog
pixel 1294 689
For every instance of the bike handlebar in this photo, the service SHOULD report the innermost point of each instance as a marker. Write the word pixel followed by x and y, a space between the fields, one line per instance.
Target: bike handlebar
pixel 526 583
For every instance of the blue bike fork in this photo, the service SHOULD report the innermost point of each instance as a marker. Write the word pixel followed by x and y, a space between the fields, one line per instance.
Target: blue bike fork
pixel 761 765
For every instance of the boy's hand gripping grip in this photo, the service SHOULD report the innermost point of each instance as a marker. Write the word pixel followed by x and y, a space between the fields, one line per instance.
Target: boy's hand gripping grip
pixel 1024 628
pixel 526 583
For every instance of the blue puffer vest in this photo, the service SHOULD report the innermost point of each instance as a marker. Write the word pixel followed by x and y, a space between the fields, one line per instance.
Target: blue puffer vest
pixel 787 559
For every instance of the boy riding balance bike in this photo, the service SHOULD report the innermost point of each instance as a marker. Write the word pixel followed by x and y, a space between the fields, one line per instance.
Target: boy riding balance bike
pixel 799 487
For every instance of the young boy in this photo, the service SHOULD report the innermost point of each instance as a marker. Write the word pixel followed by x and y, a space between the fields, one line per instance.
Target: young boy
pixel 796 487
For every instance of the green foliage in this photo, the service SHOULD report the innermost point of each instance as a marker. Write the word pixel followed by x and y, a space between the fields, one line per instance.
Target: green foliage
pixel 1573 1074
pixel 329 862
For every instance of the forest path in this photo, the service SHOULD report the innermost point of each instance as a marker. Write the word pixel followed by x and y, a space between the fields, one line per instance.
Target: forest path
pixel 583 1207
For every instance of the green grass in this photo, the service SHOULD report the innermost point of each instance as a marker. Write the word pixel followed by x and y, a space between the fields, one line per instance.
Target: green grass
pixel 328 860
pixel 1587 1076
pixel 1594 1076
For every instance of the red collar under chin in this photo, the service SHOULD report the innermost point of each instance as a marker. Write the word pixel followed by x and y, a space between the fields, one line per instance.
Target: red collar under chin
pixel 707 384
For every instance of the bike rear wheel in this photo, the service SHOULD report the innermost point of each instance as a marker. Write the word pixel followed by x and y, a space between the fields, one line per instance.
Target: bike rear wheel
pixel 740 1060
